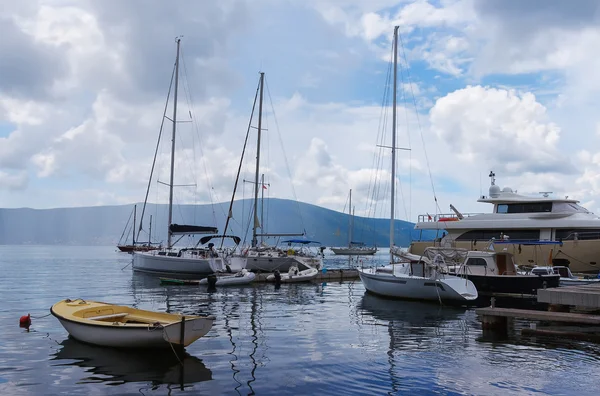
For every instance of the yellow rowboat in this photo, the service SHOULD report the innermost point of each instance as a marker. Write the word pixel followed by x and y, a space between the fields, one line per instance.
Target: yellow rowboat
pixel 126 327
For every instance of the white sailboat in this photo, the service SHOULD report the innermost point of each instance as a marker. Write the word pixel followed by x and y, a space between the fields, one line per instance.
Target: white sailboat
pixel 262 257
pixel 353 248
pixel 414 277
pixel 182 263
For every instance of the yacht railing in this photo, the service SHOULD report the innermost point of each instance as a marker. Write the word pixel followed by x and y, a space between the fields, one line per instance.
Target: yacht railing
pixel 441 217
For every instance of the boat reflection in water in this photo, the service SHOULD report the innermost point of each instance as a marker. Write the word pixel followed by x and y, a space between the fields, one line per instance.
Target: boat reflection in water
pixel 115 366
pixel 414 326
pixel 412 323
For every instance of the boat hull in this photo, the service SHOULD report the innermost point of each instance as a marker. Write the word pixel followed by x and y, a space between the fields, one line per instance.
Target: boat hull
pixel 519 284
pixel 302 276
pixel 578 281
pixel 160 330
pixel 231 279
pixel 270 263
pixel 418 288
pixel 354 252
pixel 184 267
pixel 136 248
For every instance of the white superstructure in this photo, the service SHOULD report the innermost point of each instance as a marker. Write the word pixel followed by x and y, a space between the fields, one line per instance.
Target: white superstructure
pixel 518 218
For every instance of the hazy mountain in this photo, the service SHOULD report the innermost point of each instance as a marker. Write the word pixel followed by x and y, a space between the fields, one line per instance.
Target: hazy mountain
pixel 103 225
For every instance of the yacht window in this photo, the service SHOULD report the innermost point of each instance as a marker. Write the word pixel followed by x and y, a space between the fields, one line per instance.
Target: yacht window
pixel 476 261
pixel 579 234
pixel 486 235
pixel 502 208
pixel 541 271
pixel 567 207
pixel 579 208
pixel 529 207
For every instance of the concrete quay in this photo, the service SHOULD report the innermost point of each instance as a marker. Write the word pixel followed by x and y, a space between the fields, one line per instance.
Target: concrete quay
pixel 559 300
pixel 581 296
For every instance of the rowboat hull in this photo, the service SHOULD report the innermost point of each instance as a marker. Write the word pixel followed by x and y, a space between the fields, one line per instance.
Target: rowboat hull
pixel 125 327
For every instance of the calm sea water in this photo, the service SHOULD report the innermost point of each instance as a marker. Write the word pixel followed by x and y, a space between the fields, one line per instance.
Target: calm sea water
pixel 299 339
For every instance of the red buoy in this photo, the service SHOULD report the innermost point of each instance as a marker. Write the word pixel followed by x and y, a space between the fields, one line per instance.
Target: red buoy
pixel 25 321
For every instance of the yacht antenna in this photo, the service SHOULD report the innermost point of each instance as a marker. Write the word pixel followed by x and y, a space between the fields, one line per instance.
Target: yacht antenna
pixel 493 177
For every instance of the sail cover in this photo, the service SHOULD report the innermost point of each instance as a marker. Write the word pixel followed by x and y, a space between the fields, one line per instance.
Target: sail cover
pixel 191 229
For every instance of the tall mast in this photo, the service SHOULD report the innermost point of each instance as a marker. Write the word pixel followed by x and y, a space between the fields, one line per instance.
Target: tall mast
pixel 262 204
pixel 260 104
pixel 173 145
pixel 133 230
pixel 351 220
pixel 150 233
pixel 393 181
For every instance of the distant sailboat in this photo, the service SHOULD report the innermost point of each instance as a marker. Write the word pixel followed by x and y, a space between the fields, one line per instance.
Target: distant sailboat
pixel 354 248
pixel 187 262
pixel 135 246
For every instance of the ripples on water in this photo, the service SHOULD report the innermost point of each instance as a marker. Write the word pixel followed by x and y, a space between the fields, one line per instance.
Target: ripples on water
pixel 298 339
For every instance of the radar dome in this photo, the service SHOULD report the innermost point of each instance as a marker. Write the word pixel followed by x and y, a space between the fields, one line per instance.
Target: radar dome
pixel 494 191
pixel 507 190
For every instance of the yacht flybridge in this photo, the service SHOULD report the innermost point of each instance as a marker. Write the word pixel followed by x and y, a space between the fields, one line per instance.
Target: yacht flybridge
pixel 540 230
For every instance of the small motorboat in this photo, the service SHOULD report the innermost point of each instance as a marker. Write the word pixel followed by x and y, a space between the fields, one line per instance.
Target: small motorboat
pixel 566 276
pixel 126 327
pixel 295 275
pixel 242 277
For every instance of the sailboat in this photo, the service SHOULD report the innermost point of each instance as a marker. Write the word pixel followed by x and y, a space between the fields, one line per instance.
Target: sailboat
pixel 262 257
pixel 410 276
pixel 183 263
pixel 353 248
pixel 135 245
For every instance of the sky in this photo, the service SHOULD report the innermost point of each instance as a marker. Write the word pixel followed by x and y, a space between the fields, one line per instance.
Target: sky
pixel 503 85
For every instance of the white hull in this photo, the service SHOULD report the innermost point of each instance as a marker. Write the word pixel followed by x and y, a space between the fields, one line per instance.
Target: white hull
pixel 185 267
pixel 231 279
pixel 578 281
pixel 449 288
pixel 354 251
pixel 302 276
pixel 270 263
pixel 121 336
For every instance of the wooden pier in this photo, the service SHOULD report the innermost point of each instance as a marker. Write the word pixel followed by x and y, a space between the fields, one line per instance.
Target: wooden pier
pixel 560 300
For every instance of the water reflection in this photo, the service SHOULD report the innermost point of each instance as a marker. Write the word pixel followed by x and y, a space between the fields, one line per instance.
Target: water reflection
pixel 414 327
pixel 117 366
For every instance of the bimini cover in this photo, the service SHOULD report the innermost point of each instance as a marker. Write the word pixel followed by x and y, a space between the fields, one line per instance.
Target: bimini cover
pixel 236 239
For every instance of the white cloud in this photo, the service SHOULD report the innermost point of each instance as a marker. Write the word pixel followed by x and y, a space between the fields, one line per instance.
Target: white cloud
pixel 13 181
pixel 501 129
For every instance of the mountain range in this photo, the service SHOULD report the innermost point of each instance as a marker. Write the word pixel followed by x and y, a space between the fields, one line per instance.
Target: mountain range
pixel 105 225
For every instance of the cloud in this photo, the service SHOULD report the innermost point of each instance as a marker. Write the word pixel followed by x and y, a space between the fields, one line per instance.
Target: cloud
pixel 499 129
pixel 13 181
pixel 28 68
